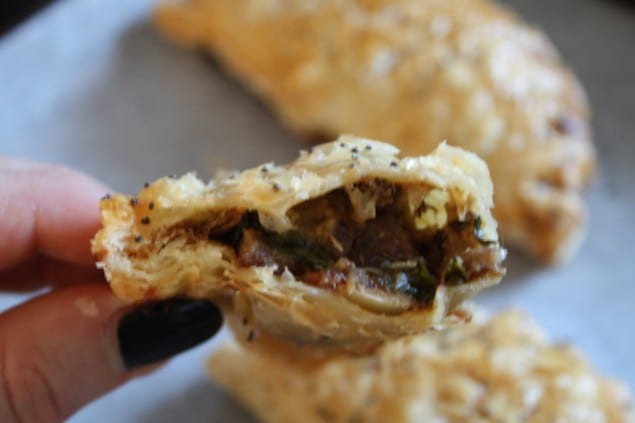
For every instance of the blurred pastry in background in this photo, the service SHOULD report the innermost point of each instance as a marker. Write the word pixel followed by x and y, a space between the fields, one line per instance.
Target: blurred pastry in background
pixel 501 370
pixel 347 246
pixel 414 73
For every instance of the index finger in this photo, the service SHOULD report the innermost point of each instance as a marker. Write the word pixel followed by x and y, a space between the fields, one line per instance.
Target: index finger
pixel 46 209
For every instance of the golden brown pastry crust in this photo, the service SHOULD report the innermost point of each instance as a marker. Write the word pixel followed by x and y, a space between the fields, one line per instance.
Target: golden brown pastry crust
pixel 156 245
pixel 499 371
pixel 414 73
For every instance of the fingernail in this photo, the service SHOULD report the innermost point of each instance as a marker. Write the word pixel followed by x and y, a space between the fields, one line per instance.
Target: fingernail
pixel 158 330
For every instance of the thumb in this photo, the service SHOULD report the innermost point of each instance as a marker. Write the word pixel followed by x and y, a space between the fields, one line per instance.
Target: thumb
pixel 64 349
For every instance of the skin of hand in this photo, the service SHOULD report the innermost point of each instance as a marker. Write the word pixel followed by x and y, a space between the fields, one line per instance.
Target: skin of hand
pixel 77 341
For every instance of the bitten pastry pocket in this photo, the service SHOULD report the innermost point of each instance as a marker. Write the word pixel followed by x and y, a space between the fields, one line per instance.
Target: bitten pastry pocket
pixel 348 244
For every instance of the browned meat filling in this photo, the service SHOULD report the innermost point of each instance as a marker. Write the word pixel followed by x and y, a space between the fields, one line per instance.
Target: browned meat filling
pixel 374 242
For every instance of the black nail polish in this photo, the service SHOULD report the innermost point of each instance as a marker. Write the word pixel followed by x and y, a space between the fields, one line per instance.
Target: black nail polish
pixel 158 330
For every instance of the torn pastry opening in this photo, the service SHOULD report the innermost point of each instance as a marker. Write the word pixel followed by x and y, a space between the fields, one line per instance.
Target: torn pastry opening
pixel 385 246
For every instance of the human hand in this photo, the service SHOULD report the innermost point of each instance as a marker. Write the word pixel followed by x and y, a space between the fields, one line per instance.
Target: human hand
pixel 78 341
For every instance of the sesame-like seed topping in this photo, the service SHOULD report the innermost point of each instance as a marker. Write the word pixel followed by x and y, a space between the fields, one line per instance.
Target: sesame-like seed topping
pixel 369 147
pixel 105 197
pixel 134 201
pixel 342 144
pixel 264 169
pixel 276 186
pixel 138 238
pixel 250 336
pixel 393 164
pixel 151 205
pixel 145 220
pixel 172 176
pixel 310 149
pixel 351 165
pixel 354 150
pixel 146 184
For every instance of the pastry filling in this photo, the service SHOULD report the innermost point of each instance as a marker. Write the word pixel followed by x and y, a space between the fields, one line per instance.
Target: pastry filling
pixel 369 240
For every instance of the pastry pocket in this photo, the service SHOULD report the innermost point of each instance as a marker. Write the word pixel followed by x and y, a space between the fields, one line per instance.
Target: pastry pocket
pixel 347 244
pixel 500 370
pixel 412 73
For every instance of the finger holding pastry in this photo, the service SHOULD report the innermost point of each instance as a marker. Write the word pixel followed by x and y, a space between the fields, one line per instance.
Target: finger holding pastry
pixel 73 340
